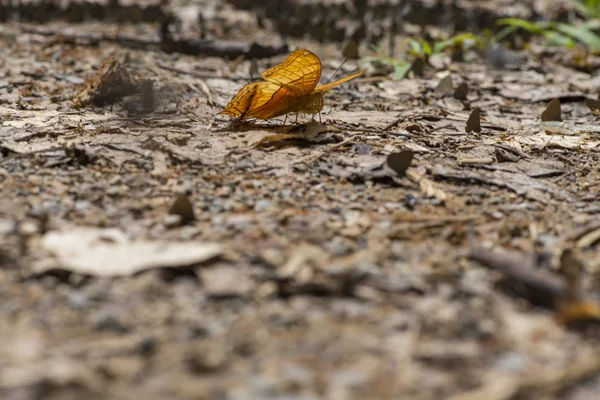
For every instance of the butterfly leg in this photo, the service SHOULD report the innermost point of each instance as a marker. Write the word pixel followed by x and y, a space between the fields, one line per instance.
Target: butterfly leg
pixel 285 119
pixel 296 121
pixel 320 118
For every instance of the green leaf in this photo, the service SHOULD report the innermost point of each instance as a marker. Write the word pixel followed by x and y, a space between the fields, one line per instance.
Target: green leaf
pixel 443 45
pixel 533 27
pixel 415 46
pixel 558 39
pixel 371 59
pixel 426 47
pixel 589 8
pixel 581 34
pixel 401 69
pixel 455 41
pixel 504 33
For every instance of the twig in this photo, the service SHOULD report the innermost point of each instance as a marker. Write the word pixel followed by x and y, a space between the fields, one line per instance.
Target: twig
pixel 513 150
pixel 312 159
pixel 392 124
pixel 438 218
pixel 475 161
pixel 539 287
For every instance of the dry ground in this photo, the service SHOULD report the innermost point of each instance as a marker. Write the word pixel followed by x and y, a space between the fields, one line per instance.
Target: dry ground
pixel 312 268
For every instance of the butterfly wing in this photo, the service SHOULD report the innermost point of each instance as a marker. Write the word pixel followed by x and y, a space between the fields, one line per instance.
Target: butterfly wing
pixel 299 72
pixel 271 100
pixel 241 102
pixel 326 87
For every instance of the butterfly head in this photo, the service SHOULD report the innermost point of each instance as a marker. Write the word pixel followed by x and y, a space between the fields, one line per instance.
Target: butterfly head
pixel 314 104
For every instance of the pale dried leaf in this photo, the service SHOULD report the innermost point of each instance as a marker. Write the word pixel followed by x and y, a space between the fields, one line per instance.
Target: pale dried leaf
pixel 108 252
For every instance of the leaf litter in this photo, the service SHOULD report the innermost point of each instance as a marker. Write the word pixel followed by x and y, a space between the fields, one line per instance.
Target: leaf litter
pixel 335 262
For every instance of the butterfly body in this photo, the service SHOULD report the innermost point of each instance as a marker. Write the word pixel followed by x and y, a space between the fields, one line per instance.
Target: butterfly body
pixel 288 87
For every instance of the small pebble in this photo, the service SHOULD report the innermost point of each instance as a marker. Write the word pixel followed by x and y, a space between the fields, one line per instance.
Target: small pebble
pixel 172 221
pixel 77 300
pixel 262 205
pixel 108 320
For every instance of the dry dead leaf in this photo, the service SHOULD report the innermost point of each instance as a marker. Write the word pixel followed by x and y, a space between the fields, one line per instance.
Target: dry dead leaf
pixel 111 84
pixel 109 252
pixel 350 50
pixel 552 111
pixel 400 161
pixel 182 206
pixel 445 86
pixel 519 183
pixel 474 122
pixel 461 91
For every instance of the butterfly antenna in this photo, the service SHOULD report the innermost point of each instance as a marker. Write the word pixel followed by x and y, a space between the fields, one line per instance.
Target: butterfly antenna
pixel 336 71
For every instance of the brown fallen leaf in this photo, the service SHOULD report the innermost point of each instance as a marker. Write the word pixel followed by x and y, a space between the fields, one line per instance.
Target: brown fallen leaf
pixel 182 206
pixel 520 183
pixel 461 91
pixel 474 122
pixel 445 86
pixel 400 161
pixel 350 50
pixel 418 66
pixel 552 111
pixel 111 84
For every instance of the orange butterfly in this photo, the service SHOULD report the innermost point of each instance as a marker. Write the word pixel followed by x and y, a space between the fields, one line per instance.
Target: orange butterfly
pixel 288 87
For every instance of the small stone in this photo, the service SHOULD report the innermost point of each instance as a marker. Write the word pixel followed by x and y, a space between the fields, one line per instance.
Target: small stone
pixel 82 205
pixel 225 281
pixel 74 80
pixel 285 194
pixel 262 205
pixel 224 191
pixel 339 247
pixel 35 179
pixel 28 228
pixel 209 357
pixel 172 221
pixel 273 257
pixel 147 346
pixel 9 98
pixel 511 361
pixel 77 300
pixel 351 232
pixel 496 215
pixel 108 320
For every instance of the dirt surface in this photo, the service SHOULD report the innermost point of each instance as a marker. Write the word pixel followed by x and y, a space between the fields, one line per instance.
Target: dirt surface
pixel 149 249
